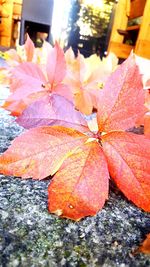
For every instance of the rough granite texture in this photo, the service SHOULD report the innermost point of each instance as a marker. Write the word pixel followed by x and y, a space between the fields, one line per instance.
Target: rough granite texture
pixel 31 237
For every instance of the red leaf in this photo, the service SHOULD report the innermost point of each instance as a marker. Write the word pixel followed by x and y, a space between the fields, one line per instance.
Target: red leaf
pixel 145 246
pixel 53 110
pixel 29 48
pixel 40 152
pixel 122 99
pixel 128 157
pixel 80 187
pixel 56 66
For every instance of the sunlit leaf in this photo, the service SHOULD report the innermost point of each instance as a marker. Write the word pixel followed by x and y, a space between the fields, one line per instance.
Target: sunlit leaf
pixel 80 187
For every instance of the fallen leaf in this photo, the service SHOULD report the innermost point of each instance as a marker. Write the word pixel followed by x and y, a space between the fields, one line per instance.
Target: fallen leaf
pixel 145 246
pixel 56 65
pixel 121 101
pixel 40 152
pixel 54 110
pixel 29 49
pixel 80 187
pixel 128 157
pixel 32 83
pixel 83 78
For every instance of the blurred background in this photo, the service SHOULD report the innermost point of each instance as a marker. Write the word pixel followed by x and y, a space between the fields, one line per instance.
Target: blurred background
pixel 90 26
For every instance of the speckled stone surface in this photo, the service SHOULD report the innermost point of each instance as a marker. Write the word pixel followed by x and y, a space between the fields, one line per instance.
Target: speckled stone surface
pixel 31 237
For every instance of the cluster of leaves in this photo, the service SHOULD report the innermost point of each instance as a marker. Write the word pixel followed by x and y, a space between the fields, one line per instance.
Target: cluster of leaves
pixel 78 112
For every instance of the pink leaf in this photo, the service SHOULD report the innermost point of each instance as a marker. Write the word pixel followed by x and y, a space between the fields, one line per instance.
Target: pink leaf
pixel 53 110
pixel 29 48
pixel 56 66
pixel 28 86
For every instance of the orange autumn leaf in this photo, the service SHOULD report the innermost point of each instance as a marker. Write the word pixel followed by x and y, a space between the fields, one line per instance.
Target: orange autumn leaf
pixel 83 102
pixel 128 157
pixel 49 146
pixel 77 74
pixel 15 107
pixel 85 76
pixel 145 246
pixel 80 187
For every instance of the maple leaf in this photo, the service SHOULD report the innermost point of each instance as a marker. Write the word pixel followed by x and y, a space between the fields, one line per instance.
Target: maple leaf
pixel 31 83
pixel 75 192
pixel 48 148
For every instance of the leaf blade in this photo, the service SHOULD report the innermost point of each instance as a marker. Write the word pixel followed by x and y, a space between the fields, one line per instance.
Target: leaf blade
pixel 29 48
pixel 128 157
pixel 53 110
pixel 122 99
pixel 74 193
pixel 26 87
pixel 38 152
pixel 56 66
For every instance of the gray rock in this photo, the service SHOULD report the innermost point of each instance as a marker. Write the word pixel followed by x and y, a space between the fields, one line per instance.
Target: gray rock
pixel 31 237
